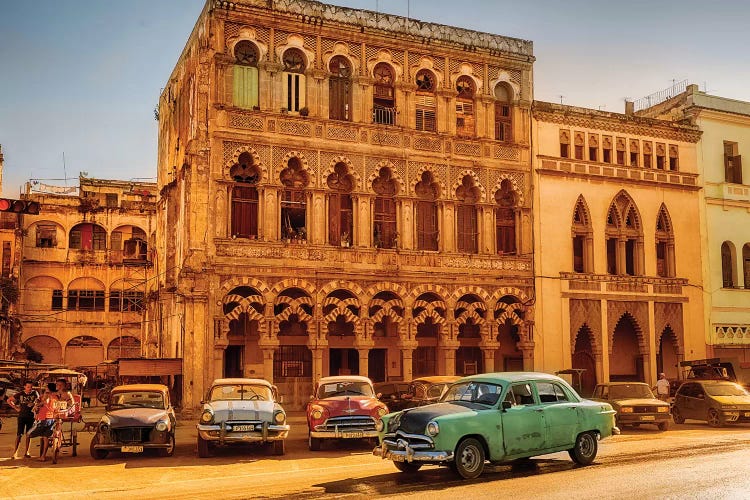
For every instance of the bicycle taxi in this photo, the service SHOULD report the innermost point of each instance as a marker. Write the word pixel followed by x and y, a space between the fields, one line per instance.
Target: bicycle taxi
pixel 65 413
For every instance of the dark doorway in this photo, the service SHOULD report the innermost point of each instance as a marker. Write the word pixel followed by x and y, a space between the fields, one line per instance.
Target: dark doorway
pixel 469 361
pixel 343 362
pixel 583 359
pixel 377 364
pixel 626 361
pixel 233 361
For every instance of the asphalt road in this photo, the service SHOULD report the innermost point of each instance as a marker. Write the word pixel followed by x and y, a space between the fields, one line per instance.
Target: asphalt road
pixel 688 461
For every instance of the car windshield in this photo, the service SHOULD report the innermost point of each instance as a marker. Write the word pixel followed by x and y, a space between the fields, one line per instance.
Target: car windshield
pixel 344 388
pixel 473 392
pixel 727 389
pixel 137 399
pixel 630 391
pixel 241 392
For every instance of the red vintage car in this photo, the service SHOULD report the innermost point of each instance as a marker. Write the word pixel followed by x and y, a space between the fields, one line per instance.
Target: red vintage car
pixel 343 407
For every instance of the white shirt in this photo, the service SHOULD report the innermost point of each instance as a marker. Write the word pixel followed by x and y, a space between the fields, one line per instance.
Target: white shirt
pixel 662 386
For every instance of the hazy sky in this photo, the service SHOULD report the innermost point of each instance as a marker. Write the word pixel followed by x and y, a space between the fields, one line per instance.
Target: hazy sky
pixel 83 77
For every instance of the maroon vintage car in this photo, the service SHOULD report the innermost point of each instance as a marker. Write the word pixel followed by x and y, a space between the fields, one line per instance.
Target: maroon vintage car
pixel 343 407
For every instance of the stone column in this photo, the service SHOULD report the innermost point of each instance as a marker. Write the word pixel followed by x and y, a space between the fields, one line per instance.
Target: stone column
pixel 488 353
pixel 268 353
pixel 407 352
pixel 364 361
pixel 527 348
pixel 621 263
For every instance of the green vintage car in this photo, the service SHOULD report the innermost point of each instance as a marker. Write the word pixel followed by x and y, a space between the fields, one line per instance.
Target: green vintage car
pixel 496 417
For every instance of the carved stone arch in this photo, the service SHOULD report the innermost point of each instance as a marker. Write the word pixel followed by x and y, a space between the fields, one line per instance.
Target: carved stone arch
pixel 625 204
pixel 510 290
pixel 418 290
pixel 247 34
pixel 664 221
pixel 516 180
pixel 400 186
pixel 285 163
pixel 329 287
pixel 385 56
pixel 589 313
pixel 341 49
pixel 467 309
pixel 435 310
pixel 667 314
pixel 378 309
pixel 505 312
pixel 264 178
pixel 386 286
pixel 237 281
pixel 296 42
pixel 504 78
pixel 471 173
pixel 435 177
pixel 334 307
pixel 351 170
pixel 300 283
pixel 425 63
pixel 466 69
pixel 471 290
pixel 637 313
pixel 87 221
pixel 581 208
pixel 249 304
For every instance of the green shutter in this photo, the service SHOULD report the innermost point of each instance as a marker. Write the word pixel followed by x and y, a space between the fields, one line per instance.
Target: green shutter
pixel 245 87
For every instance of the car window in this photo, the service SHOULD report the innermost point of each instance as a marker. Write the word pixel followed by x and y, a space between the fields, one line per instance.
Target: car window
pixel 625 391
pixel 241 392
pixel 137 399
pixel 473 392
pixel 344 388
pixel 726 389
pixel 434 391
pixel 549 392
pixel 522 394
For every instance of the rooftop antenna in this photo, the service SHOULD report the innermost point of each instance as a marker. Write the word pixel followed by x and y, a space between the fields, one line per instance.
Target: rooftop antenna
pixel 561 98
pixel 65 173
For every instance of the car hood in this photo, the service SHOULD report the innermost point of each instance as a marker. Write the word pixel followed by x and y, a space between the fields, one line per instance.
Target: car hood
pixel 414 420
pixel 242 410
pixel 732 400
pixel 363 405
pixel 135 417
pixel 638 402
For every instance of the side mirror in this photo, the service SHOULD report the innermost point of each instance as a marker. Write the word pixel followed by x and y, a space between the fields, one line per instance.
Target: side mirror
pixel 506 405
pixel 280 400
pixel 312 397
pixel 701 396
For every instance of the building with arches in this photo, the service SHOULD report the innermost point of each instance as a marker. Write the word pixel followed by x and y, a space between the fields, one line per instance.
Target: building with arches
pixel 343 192
pixel 617 244
pixel 86 260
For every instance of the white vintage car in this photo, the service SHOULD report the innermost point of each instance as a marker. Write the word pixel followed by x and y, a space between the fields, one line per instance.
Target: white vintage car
pixel 241 410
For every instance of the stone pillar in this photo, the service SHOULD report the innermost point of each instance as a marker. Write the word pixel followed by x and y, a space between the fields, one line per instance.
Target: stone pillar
pixel 588 253
pixel 268 353
pixel 488 352
pixel 449 358
pixel 317 364
pixel 364 359
pixel 527 349
pixel 407 352
pixel 621 265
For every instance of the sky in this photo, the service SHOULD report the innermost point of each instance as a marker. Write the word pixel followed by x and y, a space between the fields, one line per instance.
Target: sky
pixel 79 79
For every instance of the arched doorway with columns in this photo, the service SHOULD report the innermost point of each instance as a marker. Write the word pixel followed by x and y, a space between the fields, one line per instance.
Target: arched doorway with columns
pixel 341 310
pixel 429 313
pixel 243 308
pixel 470 315
pixel 584 358
pixel 509 317
pixel 668 353
pixel 626 351
pixel 386 320
pixel 294 360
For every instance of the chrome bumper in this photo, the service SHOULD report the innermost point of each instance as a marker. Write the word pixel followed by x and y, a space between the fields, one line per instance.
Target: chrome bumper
pixel 269 432
pixel 616 431
pixel 337 434
pixel 409 454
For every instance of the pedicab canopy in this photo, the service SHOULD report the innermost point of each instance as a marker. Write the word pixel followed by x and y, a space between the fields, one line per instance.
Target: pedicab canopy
pixel 154 367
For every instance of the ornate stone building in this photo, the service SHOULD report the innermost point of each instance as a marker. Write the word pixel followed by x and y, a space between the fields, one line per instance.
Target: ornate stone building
pixel 618 246
pixel 343 192
pixel 86 260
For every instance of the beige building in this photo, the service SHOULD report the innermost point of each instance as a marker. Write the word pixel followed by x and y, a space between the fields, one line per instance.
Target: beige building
pixel 86 262
pixel 342 192
pixel 9 259
pixel 617 246
pixel 725 215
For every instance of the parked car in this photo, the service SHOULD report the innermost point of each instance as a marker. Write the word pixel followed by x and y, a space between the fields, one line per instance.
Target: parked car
pixel 718 402
pixel 343 407
pixel 634 403
pixel 242 410
pixel 496 417
pixel 395 395
pixel 428 390
pixel 138 417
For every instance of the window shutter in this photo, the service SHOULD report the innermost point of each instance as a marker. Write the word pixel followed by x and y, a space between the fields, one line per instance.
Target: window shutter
pixel 116 240
pixel 334 219
pixel 245 87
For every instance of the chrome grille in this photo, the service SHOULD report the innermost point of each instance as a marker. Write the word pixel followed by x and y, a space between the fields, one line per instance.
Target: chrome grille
pixel 645 409
pixel 415 441
pixel 132 434
pixel 354 423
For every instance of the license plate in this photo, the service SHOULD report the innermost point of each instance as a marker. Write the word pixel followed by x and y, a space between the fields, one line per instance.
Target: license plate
pixel 648 417
pixel 399 458
pixel 747 414
pixel 352 435
pixel 243 428
pixel 132 449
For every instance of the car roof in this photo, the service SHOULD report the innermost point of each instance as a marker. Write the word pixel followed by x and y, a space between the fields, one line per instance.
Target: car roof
pixel 344 378
pixel 141 387
pixel 438 379
pixel 232 381
pixel 623 383
pixel 511 377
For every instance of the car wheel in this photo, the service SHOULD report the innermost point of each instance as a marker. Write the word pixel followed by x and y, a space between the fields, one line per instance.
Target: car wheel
pixel 204 448
pixel 468 461
pixel 407 467
pixel 584 451
pixel 664 426
pixel 313 443
pixel 169 451
pixel 277 448
pixel 97 454
pixel 714 418
pixel 677 416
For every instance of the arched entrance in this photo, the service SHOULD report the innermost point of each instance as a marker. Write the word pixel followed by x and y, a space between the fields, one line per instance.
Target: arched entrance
pixel 509 357
pixel 583 359
pixel 470 315
pixel 125 346
pixel 341 312
pixel 667 357
pixel 243 307
pixel 84 350
pixel 48 347
pixel 429 315
pixel 626 360
pixel 386 311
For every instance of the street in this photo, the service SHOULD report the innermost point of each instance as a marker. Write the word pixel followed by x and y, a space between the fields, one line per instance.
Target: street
pixel 688 461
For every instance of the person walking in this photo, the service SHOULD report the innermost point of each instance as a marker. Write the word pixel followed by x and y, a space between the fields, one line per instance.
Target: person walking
pixel 45 421
pixel 662 387
pixel 23 402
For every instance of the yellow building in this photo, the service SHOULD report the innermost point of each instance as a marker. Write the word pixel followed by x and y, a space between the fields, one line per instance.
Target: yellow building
pixel 617 246
pixel 725 215
pixel 9 246
pixel 343 192
pixel 86 259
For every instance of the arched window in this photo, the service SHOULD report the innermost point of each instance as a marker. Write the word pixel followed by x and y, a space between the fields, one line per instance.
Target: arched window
pixel 466 89
pixel 427 191
pixel 728 272
pixel 295 179
pixel 425 105
pixel 624 237
pixel 245 75
pixel 746 264
pixel 467 231
pixel 129 242
pixel 245 197
pixel 665 265
pixel 340 215
pixel 88 236
pixel 583 250
pixel 505 218
pixel 294 79
pixel 339 89
pixel 384 220
pixel 383 96
pixel 503 112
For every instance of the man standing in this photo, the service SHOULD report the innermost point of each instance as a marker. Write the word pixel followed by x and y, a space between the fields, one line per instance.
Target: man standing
pixel 23 403
pixel 662 387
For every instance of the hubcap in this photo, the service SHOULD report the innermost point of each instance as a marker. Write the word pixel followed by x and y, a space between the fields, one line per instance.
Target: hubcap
pixel 470 458
pixel 587 445
pixel 713 417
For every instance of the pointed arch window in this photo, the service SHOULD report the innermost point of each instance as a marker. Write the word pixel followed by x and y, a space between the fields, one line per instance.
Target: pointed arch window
pixel 746 264
pixel 340 89
pixel 465 122
pixel 384 230
pixel 295 180
pixel 88 236
pixel 624 237
pixel 503 112
pixel 505 218
pixel 425 105
pixel 340 215
pixel 665 265
pixel 728 270
pixel 427 191
pixel 294 79
pixel 245 198
pixel 245 75
pixel 583 241
pixel 467 233
pixel 384 95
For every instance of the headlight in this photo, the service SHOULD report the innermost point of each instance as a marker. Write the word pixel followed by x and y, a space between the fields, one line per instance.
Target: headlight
pixel 382 411
pixel 161 426
pixel 279 417
pixel 316 414
pixel 207 417
pixel 663 409
pixel 104 424
pixel 379 426
pixel 626 409
pixel 433 429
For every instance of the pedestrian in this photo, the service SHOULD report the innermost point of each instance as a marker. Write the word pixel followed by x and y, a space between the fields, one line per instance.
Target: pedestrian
pixel 23 402
pixel 662 387
pixel 44 423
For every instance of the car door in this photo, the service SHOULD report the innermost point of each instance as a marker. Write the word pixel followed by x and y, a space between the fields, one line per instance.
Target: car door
pixel 686 400
pixel 523 423
pixel 560 412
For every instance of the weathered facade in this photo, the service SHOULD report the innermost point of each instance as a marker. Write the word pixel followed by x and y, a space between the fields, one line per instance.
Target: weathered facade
pixel 86 261
pixel 617 247
pixel 10 327
pixel 343 192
